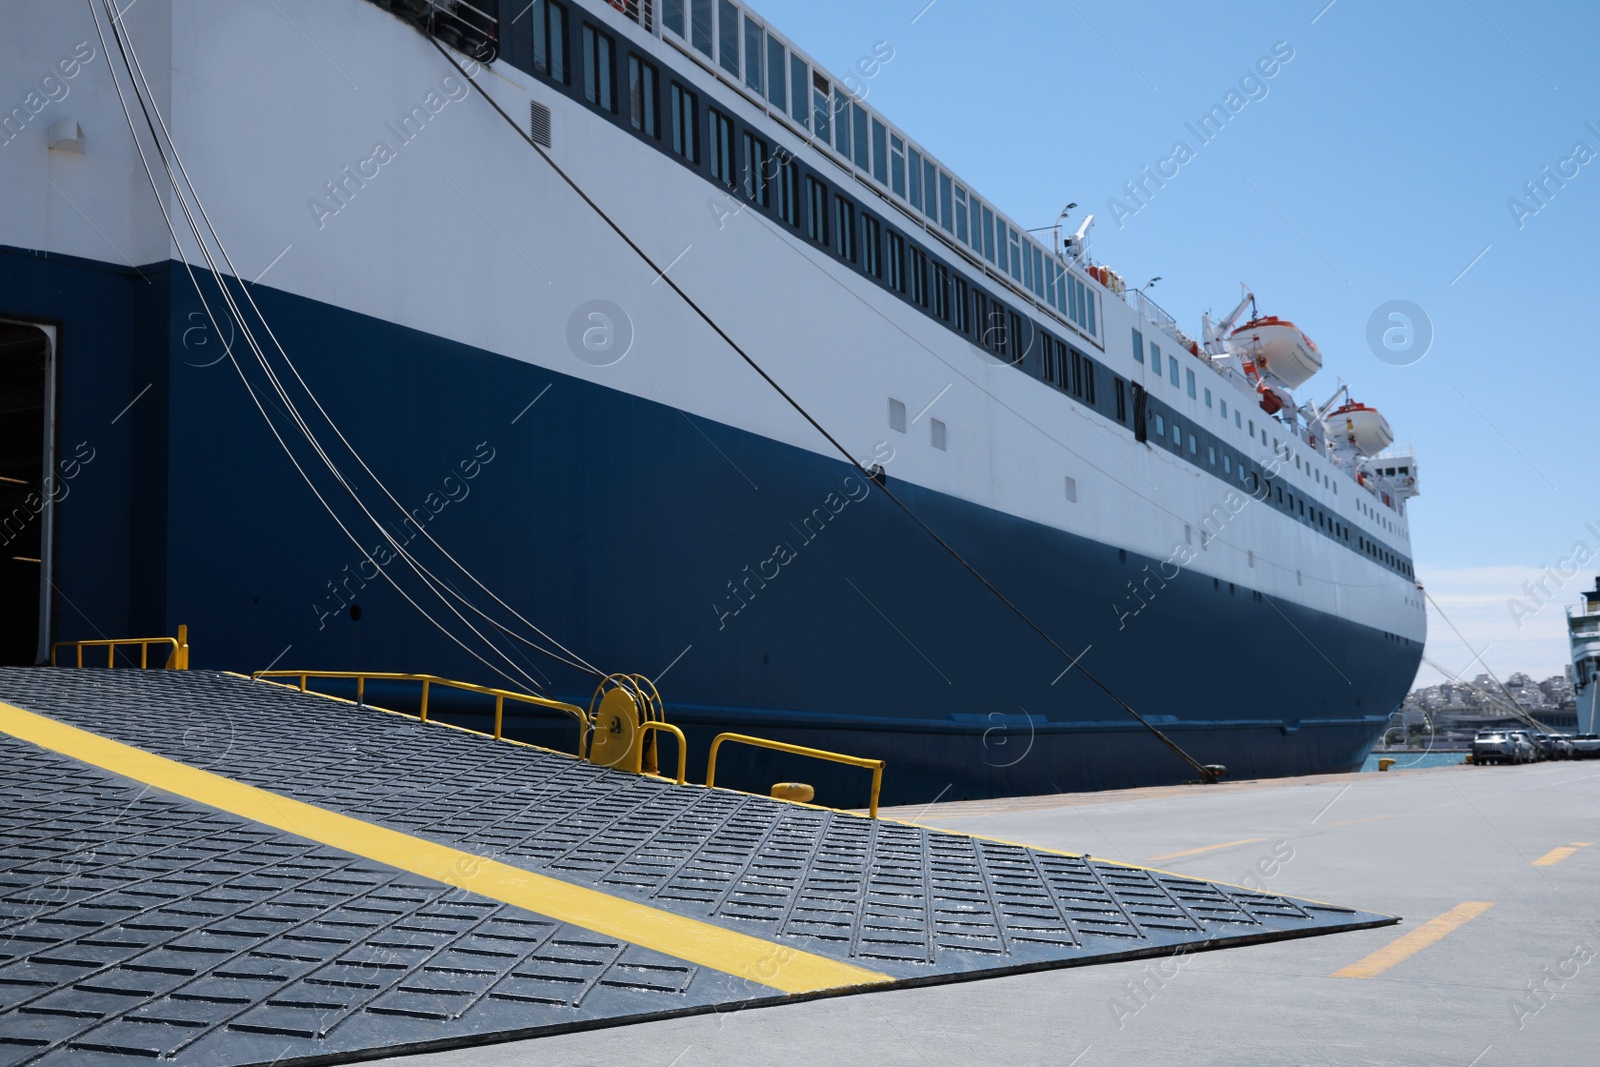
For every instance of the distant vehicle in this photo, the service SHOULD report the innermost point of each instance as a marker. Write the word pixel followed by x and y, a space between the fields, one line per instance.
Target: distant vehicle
pixel 1545 746
pixel 1563 743
pixel 1523 749
pixel 1491 746
pixel 1586 746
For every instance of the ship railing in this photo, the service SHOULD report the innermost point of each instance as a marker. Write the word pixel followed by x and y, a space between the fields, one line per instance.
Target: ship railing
pixel 460 24
pixel 1585 610
pixel 177 659
pixel 641 11
pixel 429 683
pixel 874 765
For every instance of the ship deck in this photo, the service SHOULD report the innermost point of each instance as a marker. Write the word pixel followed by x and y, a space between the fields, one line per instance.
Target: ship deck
pixel 198 869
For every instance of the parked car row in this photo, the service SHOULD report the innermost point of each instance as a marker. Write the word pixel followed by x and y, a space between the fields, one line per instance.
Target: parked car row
pixel 1524 746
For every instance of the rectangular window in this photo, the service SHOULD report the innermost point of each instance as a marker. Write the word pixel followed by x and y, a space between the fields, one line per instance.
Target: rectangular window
pixel 863 153
pixel 1155 359
pixel 988 235
pixel 897 165
pixel 1177 435
pixel 797 86
pixel 777 57
pixel 1190 376
pixel 1222 406
pixel 1161 426
pixel 963 323
pixel 961 214
pixel 1015 255
pixel 816 211
pixel 897 262
pixel 846 228
pixel 1088 306
pixel 872 246
pixel 672 16
pixel 1138 347
pixel 930 190
pixel 1047 359
pixel 941 291
pixel 1122 401
pixel 754 68
pixel 728 36
pixel 644 94
pixel 880 152
pixel 757 170
pixel 938 434
pixel 700 26
pixel 1172 369
pixel 685 123
pixel 919 278
pixel 821 111
pixel 599 68
pixel 841 123
pixel 722 148
pixel 789 192
pixel 1088 381
pixel 1027 268
pixel 1208 398
pixel 556 17
pixel 914 163
pixel 946 205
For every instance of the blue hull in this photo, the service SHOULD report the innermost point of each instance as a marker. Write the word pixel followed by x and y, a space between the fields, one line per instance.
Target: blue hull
pixel 646 539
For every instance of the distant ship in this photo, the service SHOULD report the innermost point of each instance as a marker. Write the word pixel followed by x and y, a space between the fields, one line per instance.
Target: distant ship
pixel 1583 630
pixel 1231 560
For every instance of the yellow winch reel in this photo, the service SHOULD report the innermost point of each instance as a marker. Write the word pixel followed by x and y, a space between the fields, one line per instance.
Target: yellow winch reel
pixel 621 705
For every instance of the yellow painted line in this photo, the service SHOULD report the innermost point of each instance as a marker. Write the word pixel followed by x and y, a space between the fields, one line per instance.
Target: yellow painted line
pixel 766 962
pixel 1403 948
pixel 1556 855
pixel 1207 848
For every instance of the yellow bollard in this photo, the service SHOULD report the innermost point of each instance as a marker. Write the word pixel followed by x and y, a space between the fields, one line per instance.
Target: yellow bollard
pixel 797 791
pixel 1384 763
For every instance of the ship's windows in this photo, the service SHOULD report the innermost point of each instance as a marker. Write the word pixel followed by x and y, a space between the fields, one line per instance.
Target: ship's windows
pixel 1072 489
pixel 728 37
pixel 841 123
pixel 1027 267
pixel 919 277
pixel 930 189
pixel 685 123
pixel 1211 454
pixel 777 55
pixel 757 170
pixel 1280 494
pixel 644 94
pixel 914 177
pixel 963 323
pixel 1000 245
pixel 988 235
pixel 1227 463
pixel 821 111
pixel 858 116
pixel 599 68
pixel 754 53
pixel 722 148
pixel 1222 406
pixel 897 415
pixel 789 192
pixel 1122 401
pixel 1172 371
pixel 938 434
pixel 1194 444
pixel 1208 398
pixel 1014 244
pixel 961 214
pixel 1155 359
pixel 975 219
pixel 1088 381
pixel 1161 426
pixel 897 165
pixel 700 26
pixel 797 87
pixel 1177 436
pixel 816 211
pixel 872 245
pixel 946 204
pixel 1188 534
pixel 941 292
pixel 1047 359
pixel 1088 307
pixel 845 230
pixel 897 262
pixel 671 16
pixel 1237 425
pixel 880 152
pixel 1138 347
pixel 1190 375
pixel 550 45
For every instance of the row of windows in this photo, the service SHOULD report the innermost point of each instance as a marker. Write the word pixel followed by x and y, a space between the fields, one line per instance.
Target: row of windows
pixel 743 48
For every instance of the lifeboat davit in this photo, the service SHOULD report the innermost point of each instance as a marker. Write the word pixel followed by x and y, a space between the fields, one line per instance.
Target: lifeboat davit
pixel 1279 346
pixel 1366 430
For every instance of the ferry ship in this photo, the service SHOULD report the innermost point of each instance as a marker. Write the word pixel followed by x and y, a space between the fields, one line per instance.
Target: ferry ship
pixel 519 342
pixel 1583 631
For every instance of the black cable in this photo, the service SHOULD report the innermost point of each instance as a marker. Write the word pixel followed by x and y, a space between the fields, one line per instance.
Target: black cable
pixel 1207 773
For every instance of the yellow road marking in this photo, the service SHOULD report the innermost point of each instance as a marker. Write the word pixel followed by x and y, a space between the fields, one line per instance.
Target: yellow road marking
pixel 766 962
pixel 1556 855
pixel 1208 848
pixel 1403 948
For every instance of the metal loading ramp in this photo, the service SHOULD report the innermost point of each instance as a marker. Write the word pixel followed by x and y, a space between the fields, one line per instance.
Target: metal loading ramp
pixel 201 869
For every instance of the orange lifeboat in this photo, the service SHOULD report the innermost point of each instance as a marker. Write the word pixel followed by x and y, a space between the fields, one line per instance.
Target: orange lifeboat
pixel 1279 346
pixel 1363 427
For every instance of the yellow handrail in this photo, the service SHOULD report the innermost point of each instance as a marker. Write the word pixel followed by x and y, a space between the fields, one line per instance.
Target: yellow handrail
pixel 177 660
pixel 430 680
pixel 683 747
pixel 874 765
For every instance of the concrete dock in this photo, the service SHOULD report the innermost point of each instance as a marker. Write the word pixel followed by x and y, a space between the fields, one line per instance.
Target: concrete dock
pixel 1507 859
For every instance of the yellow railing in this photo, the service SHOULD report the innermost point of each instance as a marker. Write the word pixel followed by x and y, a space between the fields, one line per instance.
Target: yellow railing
pixel 874 765
pixel 683 747
pixel 429 681
pixel 177 659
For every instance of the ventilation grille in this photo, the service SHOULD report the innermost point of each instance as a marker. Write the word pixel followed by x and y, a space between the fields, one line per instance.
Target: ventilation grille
pixel 539 123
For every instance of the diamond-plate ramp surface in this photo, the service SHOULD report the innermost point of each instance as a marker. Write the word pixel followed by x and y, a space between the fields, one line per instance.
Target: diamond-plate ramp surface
pixel 916 904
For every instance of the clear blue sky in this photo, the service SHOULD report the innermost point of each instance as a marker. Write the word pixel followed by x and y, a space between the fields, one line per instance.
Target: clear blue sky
pixel 1382 159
